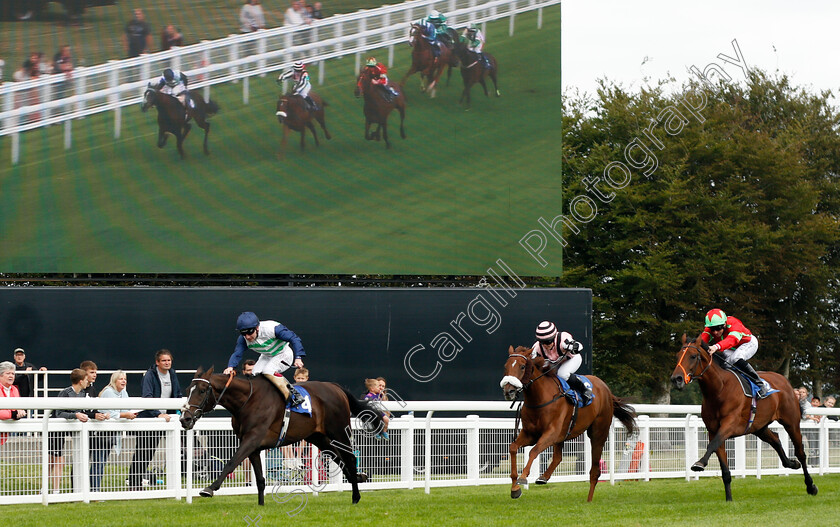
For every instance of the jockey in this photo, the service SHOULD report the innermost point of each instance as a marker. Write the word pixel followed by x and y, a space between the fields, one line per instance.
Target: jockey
pixel 379 77
pixel 174 83
pixel 430 35
pixel 735 341
pixel 276 344
pixel 438 20
pixel 302 86
pixel 474 39
pixel 548 340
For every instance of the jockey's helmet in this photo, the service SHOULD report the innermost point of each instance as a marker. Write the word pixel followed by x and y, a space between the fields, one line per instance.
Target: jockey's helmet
pixel 715 319
pixel 298 66
pixel 247 320
pixel 371 62
pixel 169 76
pixel 434 15
pixel 472 29
pixel 546 331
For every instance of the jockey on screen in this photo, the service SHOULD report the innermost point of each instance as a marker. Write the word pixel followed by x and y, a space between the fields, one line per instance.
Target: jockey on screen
pixel 429 33
pixel 277 346
pixel 174 83
pixel 548 340
pixel 735 341
pixel 474 39
pixel 438 20
pixel 302 86
pixel 379 77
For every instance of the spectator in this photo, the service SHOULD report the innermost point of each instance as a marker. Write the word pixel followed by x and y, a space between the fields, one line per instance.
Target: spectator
pixel 24 73
pixel 79 381
pixel 63 65
pixel 829 403
pixel 138 35
pixel 815 403
pixel 102 442
pixel 158 382
pixel 22 381
pixel 804 405
pixel 316 12
pixel 251 17
pixel 301 375
pixel 374 395
pixel 8 389
pixel 90 371
pixel 248 367
pixel 170 37
pixel 294 15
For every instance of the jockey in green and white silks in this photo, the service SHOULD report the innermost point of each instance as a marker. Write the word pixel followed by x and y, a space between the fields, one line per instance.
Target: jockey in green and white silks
pixel 474 39
pixel 549 342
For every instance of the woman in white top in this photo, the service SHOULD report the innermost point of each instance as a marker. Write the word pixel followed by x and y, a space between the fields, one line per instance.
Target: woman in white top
pixel 102 442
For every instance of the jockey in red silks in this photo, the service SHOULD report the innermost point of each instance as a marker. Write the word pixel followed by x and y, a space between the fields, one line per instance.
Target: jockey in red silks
pixel 379 77
pixel 549 342
pixel 735 341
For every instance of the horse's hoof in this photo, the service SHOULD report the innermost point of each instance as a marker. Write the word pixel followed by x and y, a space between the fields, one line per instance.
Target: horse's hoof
pixel 362 477
pixel 812 490
pixel 541 481
pixel 794 464
pixel 698 467
pixel 206 493
pixel 522 481
pixel 515 493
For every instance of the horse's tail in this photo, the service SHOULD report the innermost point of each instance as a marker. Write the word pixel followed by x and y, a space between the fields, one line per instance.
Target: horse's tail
pixel 212 108
pixel 625 414
pixel 367 411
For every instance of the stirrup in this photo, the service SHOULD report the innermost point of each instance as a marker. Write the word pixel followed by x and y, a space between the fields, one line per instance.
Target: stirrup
pixel 295 398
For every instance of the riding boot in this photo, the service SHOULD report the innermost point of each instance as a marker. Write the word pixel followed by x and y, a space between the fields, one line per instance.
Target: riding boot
pixel 312 106
pixel 387 93
pixel 577 385
pixel 393 91
pixel 297 398
pixel 748 370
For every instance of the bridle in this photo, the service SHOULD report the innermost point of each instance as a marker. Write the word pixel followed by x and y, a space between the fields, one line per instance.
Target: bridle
pixel 199 408
pixel 689 377
pixel 528 384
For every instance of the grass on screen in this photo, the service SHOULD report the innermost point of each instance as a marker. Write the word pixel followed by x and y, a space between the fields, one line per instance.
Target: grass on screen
pixel 771 501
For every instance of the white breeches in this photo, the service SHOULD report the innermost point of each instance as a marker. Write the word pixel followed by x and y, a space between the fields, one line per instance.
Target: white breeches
pixel 744 351
pixel 278 363
pixel 569 367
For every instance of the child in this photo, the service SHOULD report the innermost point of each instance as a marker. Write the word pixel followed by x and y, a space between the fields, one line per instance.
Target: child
pixel 301 375
pixel 374 394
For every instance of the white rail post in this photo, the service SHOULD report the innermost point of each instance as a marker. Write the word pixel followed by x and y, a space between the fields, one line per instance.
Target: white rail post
pixel 113 98
pixel 741 456
pixel 261 49
pixel 473 447
pixel 428 457
pixel 81 463
pixel 645 439
pixel 611 439
pixel 407 453
pixel 190 461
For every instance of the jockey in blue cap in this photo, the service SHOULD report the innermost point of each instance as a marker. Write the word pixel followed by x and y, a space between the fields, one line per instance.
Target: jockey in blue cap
pixel 278 346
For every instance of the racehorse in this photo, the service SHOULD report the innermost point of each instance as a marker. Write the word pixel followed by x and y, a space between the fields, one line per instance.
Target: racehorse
pixel 473 71
pixel 727 412
pixel 294 115
pixel 423 60
pixel 174 118
pixel 258 408
pixel 548 418
pixel 378 107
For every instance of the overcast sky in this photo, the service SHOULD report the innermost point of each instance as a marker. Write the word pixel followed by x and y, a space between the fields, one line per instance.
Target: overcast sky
pixel 629 40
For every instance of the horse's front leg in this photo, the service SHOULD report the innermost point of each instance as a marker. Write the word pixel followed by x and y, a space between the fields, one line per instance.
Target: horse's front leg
pixel 384 127
pixel 555 461
pixel 161 138
pixel 541 445
pixel 206 134
pixel 256 464
pixel 367 130
pixel 247 447
pixel 726 430
pixel 314 135
pixel 725 475
pixel 521 440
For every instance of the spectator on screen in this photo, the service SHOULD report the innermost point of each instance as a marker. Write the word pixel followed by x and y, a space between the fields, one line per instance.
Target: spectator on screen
pixel 138 35
pixel 251 17
pixel 170 37
pixel 159 381
pixel 63 65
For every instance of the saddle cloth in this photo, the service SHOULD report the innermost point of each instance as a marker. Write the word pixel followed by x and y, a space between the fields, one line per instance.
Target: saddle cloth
pixel 305 407
pixel 572 394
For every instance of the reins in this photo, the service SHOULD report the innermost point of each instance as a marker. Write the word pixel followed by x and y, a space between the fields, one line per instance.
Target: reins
pixel 689 377
pixel 217 399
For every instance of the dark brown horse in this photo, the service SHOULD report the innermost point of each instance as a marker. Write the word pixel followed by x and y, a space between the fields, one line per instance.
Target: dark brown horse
pixel 378 106
pixel 258 409
pixel 727 412
pixel 294 115
pixel 475 71
pixel 173 117
pixel 548 418
pixel 424 61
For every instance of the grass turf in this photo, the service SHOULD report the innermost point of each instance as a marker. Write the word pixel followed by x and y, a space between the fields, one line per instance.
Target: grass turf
pixel 771 501
pixel 455 196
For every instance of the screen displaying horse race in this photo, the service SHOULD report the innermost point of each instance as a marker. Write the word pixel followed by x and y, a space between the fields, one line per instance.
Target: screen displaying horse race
pixel 462 180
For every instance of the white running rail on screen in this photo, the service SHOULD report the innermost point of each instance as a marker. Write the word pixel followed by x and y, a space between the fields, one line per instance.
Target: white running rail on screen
pixel 52 99
pixel 425 450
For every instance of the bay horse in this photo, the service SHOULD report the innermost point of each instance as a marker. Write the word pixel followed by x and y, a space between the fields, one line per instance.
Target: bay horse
pixel 294 115
pixel 727 412
pixel 258 409
pixel 549 419
pixel 424 61
pixel 173 117
pixel 378 107
pixel 473 71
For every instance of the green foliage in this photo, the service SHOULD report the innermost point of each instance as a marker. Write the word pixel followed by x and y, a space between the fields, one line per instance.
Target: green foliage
pixel 741 213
